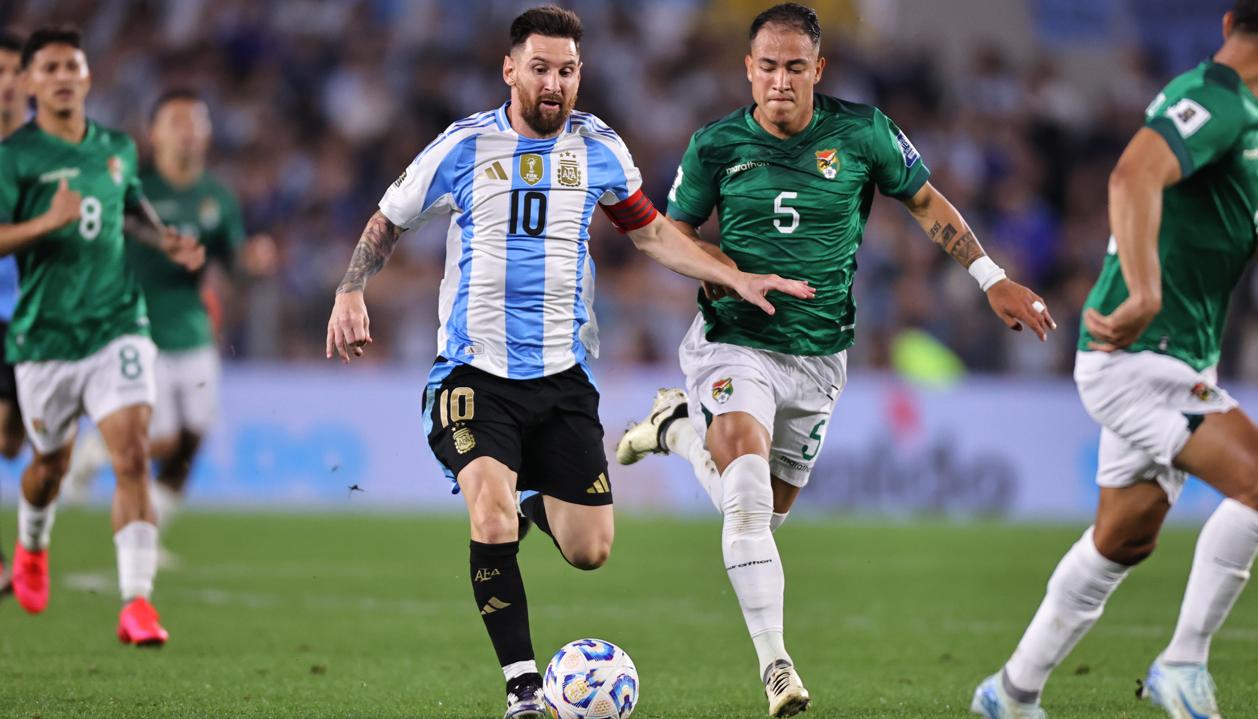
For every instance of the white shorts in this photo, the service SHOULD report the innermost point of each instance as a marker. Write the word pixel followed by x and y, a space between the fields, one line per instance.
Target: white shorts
pixel 187 392
pixel 1147 405
pixel 791 396
pixel 53 393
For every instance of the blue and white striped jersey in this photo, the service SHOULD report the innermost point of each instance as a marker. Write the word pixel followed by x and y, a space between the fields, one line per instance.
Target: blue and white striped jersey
pixel 516 299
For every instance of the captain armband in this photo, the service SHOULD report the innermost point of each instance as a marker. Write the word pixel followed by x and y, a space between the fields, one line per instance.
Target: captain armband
pixel 633 212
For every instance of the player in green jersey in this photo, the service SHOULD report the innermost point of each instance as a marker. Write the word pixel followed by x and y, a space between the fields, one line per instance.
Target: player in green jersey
pixel 1184 217
pixel 792 179
pixel 188 197
pixel 12 115
pixel 79 334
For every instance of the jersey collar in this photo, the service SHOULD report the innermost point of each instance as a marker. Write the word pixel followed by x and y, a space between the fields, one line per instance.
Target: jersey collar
pixel 750 118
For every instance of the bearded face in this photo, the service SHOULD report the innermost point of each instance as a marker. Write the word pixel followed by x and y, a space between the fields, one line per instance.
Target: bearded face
pixel 544 74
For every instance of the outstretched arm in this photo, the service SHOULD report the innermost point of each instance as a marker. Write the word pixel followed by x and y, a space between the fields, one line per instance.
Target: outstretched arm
pixel 682 254
pixel 142 223
pixel 1012 303
pixel 1146 168
pixel 349 326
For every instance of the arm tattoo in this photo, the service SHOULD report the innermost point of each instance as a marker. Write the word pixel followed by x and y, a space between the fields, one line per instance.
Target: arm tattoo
pixel 373 250
pixel 964 249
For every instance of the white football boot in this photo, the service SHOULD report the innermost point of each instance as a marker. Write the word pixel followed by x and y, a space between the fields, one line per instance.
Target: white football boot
pixel 786 692
pixel 993 702
pixel 645 437
pixel 1185 691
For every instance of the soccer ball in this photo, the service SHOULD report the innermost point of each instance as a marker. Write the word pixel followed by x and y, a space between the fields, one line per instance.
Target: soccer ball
pixel 591 679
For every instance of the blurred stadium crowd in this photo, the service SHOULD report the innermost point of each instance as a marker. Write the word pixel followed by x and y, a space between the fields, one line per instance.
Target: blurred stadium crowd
pixel 319 105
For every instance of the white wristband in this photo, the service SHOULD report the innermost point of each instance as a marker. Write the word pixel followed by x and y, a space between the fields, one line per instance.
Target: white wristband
pixel 986 273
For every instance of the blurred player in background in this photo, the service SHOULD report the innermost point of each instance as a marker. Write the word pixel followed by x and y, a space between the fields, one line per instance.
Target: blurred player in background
pixel 79 335
pixel 510 403
pixel 13 112
pixel 188 198
pixel 792 178
pixel 1183 209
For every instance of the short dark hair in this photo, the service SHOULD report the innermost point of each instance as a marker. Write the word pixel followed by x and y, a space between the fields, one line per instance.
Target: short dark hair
pixel 547 21
pixel 1245 16
pixel 10 41
pixel 791 15
pixel 41 38
pixel 174 94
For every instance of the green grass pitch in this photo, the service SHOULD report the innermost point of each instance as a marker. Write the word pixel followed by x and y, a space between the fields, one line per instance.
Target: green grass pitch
pixel 371 615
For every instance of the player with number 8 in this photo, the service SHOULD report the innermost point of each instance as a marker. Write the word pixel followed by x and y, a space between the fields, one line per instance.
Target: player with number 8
pixel 79 334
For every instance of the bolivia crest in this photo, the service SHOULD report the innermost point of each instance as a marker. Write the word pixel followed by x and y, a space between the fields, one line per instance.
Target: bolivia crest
pixel 722 389
pixel 114 165
pixel 828 163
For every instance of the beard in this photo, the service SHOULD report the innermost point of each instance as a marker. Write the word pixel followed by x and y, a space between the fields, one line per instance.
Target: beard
pixel 546 122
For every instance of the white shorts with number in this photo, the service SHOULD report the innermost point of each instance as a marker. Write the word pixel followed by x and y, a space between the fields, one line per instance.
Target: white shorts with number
pixel 54 393
pixel 187 392
pixel 791 396
pixel 1148 405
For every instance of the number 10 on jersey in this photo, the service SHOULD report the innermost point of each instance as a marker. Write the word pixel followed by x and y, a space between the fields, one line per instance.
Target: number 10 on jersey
pixel 528 211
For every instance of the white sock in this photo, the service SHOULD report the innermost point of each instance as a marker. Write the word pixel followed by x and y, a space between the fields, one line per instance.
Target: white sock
pixel 779 518
pixel 682 439
pixel 1075 599
pixel 751 556
pixel 517 669
pixel 1220 568
pixel 166 503
pixel 137 559
pixel 34 524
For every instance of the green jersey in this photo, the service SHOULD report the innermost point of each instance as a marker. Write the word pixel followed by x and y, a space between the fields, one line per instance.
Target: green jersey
pixel 795 207
pixel 77 291
pixel 207 210
pixel 1210 120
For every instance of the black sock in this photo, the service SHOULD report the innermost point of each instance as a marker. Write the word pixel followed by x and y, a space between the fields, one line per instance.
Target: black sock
pixel 499 592
pixel 534 510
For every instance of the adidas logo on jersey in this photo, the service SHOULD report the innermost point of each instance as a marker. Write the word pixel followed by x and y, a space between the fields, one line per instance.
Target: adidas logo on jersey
pixel 495 171
pixel 600 486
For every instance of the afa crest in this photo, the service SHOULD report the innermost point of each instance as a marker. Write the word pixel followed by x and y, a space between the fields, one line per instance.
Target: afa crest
pixel 569 174
pixel 722 390
pixel 531 168
pixel 828 163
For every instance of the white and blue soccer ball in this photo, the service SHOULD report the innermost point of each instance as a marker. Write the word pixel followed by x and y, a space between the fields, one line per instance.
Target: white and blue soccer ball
pixel 591 679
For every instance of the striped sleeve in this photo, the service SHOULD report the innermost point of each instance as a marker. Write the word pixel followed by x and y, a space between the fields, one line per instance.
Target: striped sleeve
pixel 426 187
pixel 620 177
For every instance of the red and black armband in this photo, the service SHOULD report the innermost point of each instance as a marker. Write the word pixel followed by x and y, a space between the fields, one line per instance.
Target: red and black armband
pixel 633 212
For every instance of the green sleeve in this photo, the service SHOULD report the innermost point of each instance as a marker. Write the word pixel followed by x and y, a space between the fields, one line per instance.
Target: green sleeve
pixel 230 233
pixel 695 191
pixel 8 185
pixel 135 190
pixel 895 165
pixel 1200 123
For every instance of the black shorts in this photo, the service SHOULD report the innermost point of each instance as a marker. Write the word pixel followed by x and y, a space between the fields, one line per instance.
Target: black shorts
pixel 547 429
pixel 8 381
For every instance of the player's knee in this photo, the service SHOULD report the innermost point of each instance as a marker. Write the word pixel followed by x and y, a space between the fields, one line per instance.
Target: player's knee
pixel 130 461
pixel 1128 550
pixel 747 502
pixel 495 522
pixel 1248 495
pixel 590 556
pixel 50 468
